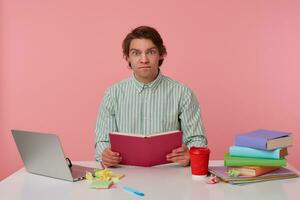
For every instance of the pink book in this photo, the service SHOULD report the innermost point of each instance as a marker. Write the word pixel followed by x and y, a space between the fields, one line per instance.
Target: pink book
pixel 145 151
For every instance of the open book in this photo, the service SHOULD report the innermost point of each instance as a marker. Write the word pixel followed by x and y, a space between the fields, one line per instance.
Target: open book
pixel 145 151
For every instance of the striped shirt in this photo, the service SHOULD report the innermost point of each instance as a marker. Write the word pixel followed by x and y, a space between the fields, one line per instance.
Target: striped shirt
pixel 160 106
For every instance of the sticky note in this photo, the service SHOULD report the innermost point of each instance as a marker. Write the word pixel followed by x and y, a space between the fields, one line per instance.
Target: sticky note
pixel 97 184
pixel 102 178
pixel 89 176
pixel 233 173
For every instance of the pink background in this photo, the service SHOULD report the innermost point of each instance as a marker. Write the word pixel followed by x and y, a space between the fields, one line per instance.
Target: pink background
pixel 241 58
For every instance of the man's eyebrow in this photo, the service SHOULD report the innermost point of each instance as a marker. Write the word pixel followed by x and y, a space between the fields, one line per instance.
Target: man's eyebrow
pixel 152 48
pixel 133 49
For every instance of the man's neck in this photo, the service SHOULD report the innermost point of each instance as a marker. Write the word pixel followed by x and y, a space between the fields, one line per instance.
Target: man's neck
pixel 146 80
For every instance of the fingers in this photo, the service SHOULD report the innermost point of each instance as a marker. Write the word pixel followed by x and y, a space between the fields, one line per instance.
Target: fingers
pixel 183 160
pixel 110 158
pixel 183 148
pixel 171 155
pixel 180 151
pixel 175 157
pixel 180 155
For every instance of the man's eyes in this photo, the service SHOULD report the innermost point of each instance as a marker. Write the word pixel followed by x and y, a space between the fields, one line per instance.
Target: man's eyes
pixel 152 52
pixel 138 53
pixel 135 53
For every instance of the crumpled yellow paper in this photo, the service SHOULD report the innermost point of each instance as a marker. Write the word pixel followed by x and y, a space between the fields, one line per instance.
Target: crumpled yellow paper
pixel 89 176
pixel 102 178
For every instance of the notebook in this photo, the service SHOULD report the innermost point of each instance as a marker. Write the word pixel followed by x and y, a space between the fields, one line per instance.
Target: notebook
pixel 42 154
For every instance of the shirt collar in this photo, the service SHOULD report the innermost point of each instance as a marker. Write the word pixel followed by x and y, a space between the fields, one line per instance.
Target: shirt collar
pixel 152 85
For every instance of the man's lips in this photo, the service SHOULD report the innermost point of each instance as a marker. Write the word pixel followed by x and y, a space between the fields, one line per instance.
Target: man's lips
pixel 144 67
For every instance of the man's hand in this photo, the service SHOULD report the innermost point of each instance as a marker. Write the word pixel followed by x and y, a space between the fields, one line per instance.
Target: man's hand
pixel 110 158
pixel 180 155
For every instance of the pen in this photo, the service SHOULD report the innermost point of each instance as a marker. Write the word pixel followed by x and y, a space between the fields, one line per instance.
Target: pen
pixel 133 191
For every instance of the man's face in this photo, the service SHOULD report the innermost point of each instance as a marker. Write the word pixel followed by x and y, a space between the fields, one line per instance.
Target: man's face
pixel 144 57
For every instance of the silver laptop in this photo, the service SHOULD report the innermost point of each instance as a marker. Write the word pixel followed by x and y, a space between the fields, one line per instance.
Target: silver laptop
pixel 42 154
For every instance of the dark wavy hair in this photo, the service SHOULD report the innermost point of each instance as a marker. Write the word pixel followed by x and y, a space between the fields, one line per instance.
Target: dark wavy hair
pixel 145 32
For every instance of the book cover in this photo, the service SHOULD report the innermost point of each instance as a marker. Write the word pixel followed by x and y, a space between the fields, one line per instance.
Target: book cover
pixel 257 153
pixel 244 161
pixel 281 173
pixel 264 139
pixel 252 171
pixel 145 151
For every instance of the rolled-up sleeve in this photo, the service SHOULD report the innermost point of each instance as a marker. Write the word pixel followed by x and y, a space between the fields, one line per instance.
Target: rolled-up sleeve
pixel 105 123
pixel 190 120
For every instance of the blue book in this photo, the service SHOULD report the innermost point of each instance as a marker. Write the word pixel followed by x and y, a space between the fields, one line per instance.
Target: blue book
pixel 264 139
pixel 257 153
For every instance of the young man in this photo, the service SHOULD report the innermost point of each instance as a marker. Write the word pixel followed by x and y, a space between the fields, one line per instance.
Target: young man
pixel 148 102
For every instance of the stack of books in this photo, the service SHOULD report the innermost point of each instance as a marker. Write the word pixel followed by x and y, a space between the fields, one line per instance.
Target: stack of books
pixel 256 156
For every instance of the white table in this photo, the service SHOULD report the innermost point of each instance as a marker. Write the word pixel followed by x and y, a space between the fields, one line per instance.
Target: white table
pixel 160 182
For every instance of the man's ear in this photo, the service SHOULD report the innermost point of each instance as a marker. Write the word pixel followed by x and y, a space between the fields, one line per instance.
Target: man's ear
pixel 127 59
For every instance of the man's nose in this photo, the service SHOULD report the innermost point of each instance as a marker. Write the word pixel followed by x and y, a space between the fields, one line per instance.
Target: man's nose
pixel 144 58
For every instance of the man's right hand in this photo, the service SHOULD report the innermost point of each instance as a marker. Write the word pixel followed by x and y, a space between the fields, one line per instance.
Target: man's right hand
pixel 110 158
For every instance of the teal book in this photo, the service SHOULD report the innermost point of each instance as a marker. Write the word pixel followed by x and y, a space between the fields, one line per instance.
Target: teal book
pixel 244 161
pixel 257 153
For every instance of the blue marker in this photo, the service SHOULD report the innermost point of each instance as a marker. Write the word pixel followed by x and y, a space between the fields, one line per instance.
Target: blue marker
pixel 133 191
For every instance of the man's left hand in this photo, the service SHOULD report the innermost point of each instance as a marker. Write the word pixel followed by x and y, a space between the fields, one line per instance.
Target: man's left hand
pixel 180 155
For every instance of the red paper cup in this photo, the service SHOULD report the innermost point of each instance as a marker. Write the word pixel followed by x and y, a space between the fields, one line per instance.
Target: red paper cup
pixel 199 157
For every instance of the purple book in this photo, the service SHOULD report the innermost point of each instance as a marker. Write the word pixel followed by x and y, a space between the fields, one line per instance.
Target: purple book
pixel 264 139
pixel 281 173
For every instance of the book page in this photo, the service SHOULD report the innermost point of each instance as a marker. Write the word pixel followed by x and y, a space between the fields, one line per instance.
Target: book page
pixel 128 134
pixel 145 136
pixel 279 142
